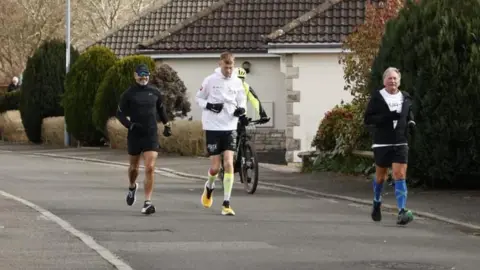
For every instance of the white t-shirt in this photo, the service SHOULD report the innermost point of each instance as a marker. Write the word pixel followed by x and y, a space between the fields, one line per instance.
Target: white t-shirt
pixel 395 103
pixel 217 88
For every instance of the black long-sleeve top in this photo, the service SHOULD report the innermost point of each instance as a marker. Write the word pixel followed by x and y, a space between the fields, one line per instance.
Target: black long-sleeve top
pixel 378 117
pixel 142 104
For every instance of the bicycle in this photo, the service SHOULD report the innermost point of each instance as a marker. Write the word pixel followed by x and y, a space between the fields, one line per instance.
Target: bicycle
pixel 245 159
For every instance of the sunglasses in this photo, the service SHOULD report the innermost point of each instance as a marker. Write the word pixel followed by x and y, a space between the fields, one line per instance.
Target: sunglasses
pixel 143 74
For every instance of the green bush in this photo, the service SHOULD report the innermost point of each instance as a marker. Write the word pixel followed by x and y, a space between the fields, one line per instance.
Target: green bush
pixel 9 101
pixel 436 46
pixel 341 130
pixel 81 86
pixel 173 91
pixel 43 86
pixel 347 164
pixel 118 78
pixel 326 139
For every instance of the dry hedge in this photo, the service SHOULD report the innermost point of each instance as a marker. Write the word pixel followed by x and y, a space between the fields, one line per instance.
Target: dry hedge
pixel 187 137
pixel 11 126
pixel 53 129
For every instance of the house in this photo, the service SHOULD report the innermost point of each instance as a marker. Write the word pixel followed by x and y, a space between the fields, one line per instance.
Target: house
pixel 124 40
pixel 290 46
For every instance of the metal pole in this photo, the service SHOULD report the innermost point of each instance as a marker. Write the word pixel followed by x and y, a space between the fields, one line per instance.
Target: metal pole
pixel 67 39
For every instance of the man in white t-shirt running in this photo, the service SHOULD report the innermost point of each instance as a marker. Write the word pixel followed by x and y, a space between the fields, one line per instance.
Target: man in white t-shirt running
pixel 390 114
pixel 223 101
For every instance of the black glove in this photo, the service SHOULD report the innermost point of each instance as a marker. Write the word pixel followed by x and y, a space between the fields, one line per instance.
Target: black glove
pixel 167 131
pixel 263 120
pixel 215 107
pixel 238 112
pixel 243 120
pixel 394 115
pixel 137 128
pixel 411 127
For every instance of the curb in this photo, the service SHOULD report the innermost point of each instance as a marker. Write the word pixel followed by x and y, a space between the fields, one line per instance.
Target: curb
pixel 273 167
pixel 279 187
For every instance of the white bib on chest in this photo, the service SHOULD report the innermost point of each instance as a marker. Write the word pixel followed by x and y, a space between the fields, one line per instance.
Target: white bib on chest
pixel 394 102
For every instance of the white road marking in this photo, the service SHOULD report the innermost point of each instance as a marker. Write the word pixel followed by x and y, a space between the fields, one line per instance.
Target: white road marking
pixel 88 240
pixel 330 200
pixel 42 217
pixel 192 246
pixel 357 205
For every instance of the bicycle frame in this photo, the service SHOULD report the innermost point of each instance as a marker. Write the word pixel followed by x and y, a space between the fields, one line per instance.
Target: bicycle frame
pixel 242 138
pixel 241 165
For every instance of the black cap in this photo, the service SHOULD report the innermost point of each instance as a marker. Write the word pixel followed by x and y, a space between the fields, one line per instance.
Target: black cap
pixel 142 70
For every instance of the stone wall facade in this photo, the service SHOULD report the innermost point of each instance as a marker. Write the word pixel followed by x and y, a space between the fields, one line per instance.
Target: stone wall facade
pixel 293 120
pixel 277 145
pixel 270 145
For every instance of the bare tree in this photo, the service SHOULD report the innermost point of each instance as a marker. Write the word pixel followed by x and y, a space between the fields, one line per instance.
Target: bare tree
pixel 92 19
pixel 25 24
pixel 138 6
pixel 101 14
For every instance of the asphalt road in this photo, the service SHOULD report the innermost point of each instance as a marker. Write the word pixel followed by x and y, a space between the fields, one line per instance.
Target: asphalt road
pixel 272 230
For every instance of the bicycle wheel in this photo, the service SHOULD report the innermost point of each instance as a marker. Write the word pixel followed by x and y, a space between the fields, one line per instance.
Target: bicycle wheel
pixel 249 169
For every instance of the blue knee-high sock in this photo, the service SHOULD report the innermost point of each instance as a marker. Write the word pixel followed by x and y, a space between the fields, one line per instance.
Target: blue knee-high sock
pixel 377 190
pixel 401 193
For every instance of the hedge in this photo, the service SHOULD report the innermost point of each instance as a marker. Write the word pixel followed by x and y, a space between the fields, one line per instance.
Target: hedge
pixel 81 86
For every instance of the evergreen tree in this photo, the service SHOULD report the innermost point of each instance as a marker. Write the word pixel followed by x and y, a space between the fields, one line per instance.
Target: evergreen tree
pixel 43 86
pixel 81 86
pixel 117 79
pixel 173 90
pixel 10 101
pixel 436 46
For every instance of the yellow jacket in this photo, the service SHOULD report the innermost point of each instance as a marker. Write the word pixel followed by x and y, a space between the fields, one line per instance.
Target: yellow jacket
pixel 253 99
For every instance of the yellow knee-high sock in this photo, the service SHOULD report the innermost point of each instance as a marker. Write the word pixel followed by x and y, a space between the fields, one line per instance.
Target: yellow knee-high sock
pixel 227 186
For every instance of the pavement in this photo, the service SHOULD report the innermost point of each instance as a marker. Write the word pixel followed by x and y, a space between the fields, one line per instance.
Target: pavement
pixel 60 213
pixel 459 207
pixel 29 240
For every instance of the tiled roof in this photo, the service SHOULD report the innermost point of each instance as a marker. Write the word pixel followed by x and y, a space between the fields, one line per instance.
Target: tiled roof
pixel 124 41
pixel 324 24
pixel 248 25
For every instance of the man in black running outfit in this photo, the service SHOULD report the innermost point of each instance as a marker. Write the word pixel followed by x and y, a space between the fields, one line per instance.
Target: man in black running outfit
pixel 389 113
pixel 142 102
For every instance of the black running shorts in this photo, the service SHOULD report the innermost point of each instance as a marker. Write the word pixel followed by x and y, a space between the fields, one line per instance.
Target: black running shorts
pixel 386 155
pixel 138 145
pixel 220 141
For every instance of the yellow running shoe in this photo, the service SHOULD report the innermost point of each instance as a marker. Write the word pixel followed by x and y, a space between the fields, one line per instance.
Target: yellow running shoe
pixel 227 210
pixel 207 199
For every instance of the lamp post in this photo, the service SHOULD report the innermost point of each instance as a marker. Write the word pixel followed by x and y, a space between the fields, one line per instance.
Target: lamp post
pixel 67 39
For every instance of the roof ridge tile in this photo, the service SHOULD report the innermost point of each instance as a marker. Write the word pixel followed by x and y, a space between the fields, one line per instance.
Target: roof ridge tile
pixel 205 12
pixel 301 20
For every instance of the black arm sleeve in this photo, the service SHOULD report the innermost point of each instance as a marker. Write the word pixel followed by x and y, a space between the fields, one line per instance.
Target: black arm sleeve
pixel 263 114
pixel 372 117
pixel 410 115
pixel 162 112
pixel 122 110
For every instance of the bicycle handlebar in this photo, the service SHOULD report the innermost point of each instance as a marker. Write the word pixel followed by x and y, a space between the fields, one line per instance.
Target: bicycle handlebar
pixel 254 122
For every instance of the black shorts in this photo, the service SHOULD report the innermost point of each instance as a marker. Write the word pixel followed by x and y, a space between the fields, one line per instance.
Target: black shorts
pixel 386 155
pixel 220 141
pixel 138 145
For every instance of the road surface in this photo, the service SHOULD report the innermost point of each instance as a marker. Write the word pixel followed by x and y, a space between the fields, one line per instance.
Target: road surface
pixel 272 230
